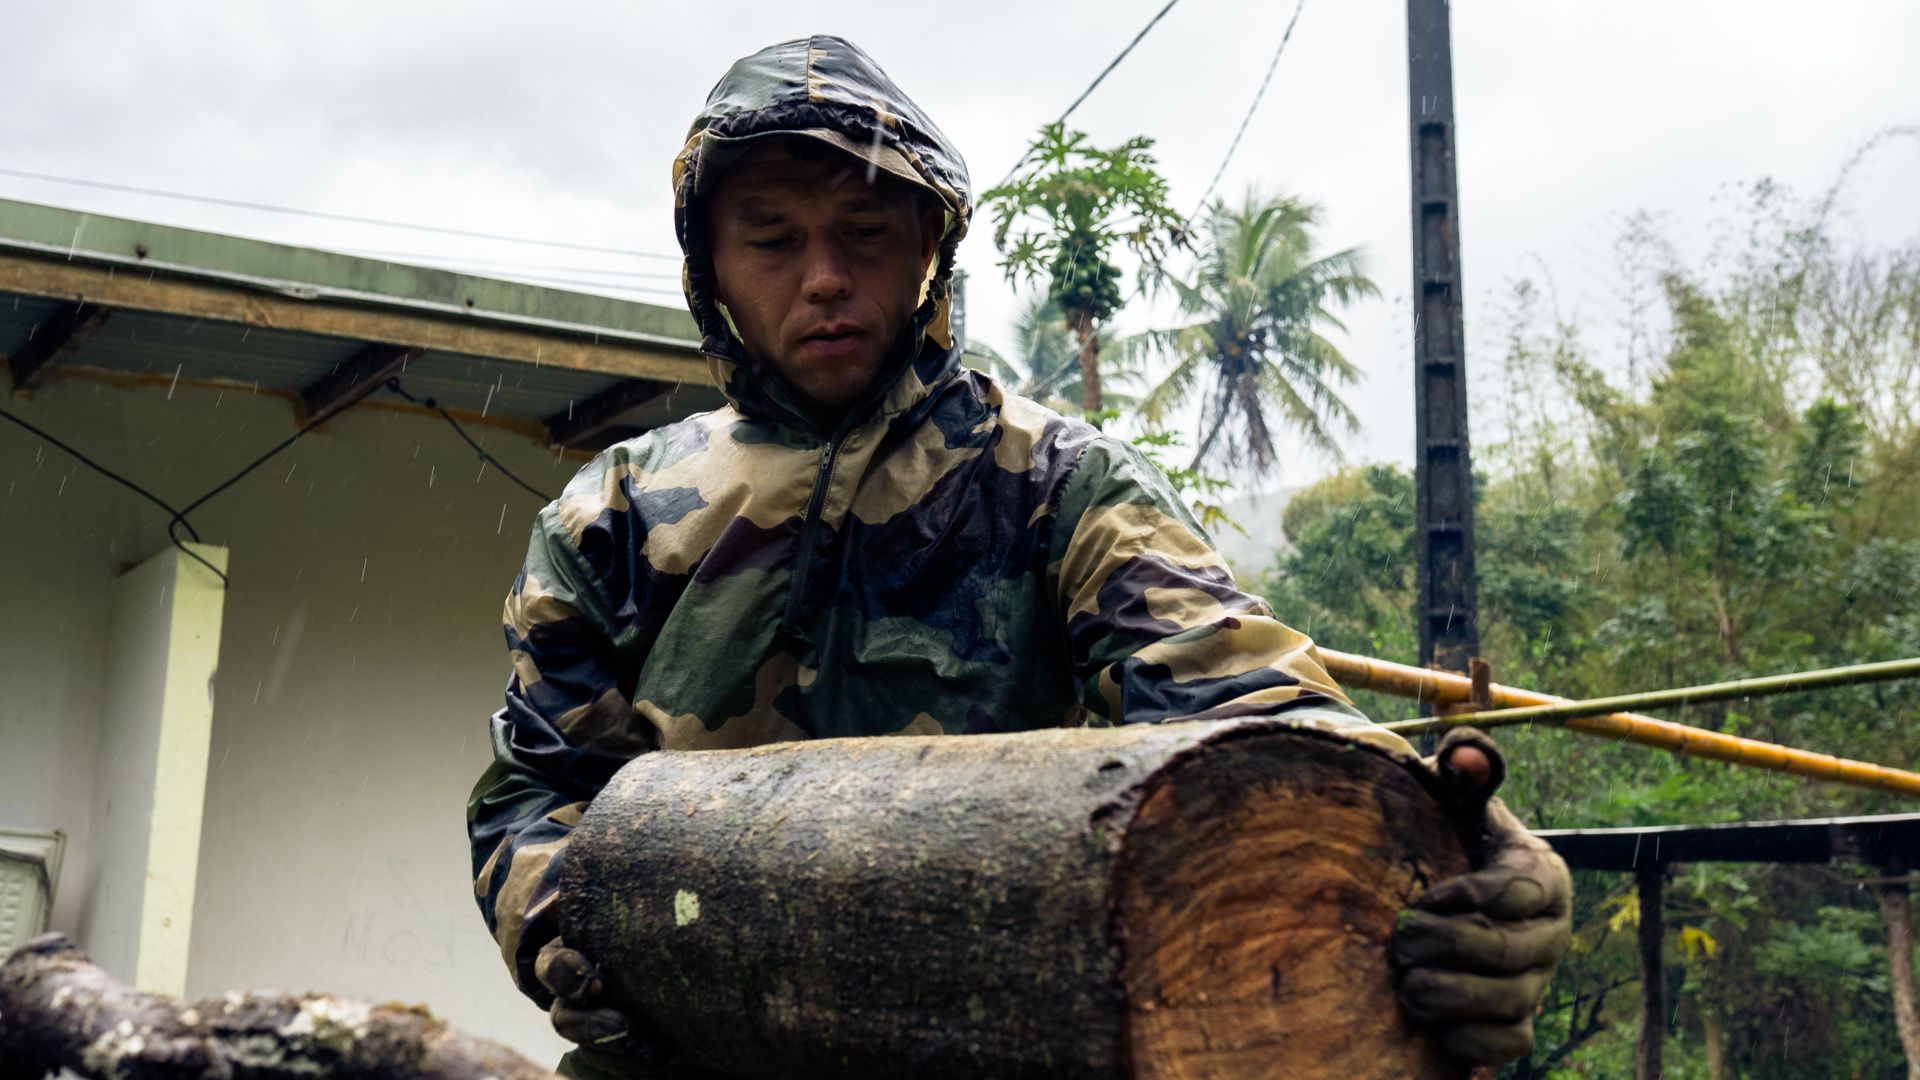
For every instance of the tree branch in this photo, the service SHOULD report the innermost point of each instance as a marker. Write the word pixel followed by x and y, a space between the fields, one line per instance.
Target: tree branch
pixel 57 1009
pixel 1577 1033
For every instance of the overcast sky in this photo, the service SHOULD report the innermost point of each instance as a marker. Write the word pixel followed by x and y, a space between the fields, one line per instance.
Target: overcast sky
pixel 558 120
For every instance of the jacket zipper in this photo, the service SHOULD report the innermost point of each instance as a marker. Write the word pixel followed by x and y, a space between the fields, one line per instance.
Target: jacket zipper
pixel 808 527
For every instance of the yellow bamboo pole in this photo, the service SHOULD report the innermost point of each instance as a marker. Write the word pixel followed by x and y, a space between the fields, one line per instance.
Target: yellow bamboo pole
pixel 1446 688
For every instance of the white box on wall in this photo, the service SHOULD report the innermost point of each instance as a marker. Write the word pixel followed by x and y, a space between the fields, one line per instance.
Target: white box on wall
pixel 29 870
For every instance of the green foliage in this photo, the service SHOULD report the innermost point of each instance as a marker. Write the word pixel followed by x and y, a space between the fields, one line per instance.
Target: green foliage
pixel 1737 494
pixel 1200 490
pixel 1072 204
pixel 1077 202
pixel 1253 350
pixel 1045 362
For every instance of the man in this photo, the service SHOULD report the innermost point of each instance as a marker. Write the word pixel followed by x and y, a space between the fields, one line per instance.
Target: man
pixel 870 540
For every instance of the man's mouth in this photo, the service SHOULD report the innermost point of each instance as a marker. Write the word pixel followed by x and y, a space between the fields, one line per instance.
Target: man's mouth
pixel 832 340
pixel 835 332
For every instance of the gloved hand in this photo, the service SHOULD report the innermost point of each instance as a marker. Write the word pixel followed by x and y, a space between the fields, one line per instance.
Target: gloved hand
pixel 1477 951
pixel 611 1044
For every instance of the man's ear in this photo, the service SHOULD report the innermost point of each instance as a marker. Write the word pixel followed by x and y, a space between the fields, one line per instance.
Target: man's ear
pixel 933 226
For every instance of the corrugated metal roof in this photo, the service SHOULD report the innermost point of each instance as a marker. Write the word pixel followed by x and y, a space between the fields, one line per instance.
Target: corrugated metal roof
pixel 19 317
pixel 169 346
pixel 309 273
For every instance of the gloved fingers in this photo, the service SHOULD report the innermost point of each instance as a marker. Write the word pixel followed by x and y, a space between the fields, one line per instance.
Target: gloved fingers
pixel 606 1028
pixel 1438 996
pixel 588 1063
pixel 1501 892
pixel 567 973
pixel 1475 943
pixel 1485 1044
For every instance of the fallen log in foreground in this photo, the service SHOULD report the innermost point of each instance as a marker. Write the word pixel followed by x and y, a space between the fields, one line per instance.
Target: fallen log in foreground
pixel 1185 900
pixel 57 1009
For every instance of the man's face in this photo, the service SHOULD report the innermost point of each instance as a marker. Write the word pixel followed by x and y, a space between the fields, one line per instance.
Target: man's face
pixel 820 270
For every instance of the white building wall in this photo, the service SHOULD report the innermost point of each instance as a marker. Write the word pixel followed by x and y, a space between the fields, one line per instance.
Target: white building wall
pixel 360 658
pixel 60 552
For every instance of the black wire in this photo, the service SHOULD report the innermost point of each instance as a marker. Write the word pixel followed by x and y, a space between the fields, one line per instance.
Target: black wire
pixel 178 515
pixel 1098 79
pixel 177 518
pixel 190 553
pixel 268 207
pixel 509 264
pixel 256 463
pixel 1258 94
pixel 394 385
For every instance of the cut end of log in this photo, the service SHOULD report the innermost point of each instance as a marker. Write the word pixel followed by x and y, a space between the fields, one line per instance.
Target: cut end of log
pixel 1255 900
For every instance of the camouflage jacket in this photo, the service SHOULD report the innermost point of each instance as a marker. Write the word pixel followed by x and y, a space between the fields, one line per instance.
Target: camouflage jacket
pixel 954 559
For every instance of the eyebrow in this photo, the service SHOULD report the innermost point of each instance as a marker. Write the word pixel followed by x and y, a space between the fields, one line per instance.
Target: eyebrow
pixel 864 201
pixel 754 211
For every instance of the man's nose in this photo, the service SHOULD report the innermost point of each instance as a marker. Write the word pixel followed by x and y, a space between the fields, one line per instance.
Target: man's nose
pixel 826 275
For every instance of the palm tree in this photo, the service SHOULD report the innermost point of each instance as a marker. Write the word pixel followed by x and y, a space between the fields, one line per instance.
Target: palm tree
pixel 1045 364
pixel 1062 213
pixel 1254 352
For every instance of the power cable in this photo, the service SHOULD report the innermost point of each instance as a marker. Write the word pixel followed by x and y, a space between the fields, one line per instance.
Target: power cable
pixel 254 464
pixel 391 384
pixel 1262 92
pixel 547 279
pixel 412 257
pixel 177 518
pixel 394 385
pixel 215 200
pixel 1097 80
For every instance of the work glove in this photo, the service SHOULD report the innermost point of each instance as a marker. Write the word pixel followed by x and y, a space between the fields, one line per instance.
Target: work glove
pixel 1477 951
pixel 611 1045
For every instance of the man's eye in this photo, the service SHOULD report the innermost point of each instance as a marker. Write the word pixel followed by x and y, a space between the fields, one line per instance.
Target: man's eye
pixel 770 244
pixel 869 232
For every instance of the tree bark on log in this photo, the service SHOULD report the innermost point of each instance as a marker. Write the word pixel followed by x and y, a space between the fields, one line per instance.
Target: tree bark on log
pixel 59 1010
pixel 1162 901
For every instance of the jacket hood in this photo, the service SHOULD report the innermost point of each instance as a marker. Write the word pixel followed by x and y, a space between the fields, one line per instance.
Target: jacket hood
pixel 819 86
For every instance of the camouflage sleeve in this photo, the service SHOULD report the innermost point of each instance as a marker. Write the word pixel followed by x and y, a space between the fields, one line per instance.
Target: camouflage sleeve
pixel 1156 626
pixel 567 726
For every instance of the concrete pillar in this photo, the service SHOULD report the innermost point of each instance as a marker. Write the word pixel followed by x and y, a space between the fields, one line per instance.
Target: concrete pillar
pixel 150 776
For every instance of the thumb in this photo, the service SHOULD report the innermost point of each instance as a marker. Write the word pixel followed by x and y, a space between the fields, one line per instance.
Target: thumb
pixel 1470 767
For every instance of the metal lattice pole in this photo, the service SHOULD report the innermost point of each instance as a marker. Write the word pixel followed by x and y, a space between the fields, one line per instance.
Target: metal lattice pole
pixel 1443 466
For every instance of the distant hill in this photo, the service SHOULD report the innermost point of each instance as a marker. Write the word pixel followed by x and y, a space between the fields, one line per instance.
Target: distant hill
pixel 1259 514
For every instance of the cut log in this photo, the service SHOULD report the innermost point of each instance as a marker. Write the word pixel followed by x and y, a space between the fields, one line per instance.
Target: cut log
pixel 1181 900
pixel 59 1010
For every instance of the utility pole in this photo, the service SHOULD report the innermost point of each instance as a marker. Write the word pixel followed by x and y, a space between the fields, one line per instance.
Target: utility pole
pixel 1443 468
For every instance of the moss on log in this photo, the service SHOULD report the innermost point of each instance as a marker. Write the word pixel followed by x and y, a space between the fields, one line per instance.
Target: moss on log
pixel 1185 900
